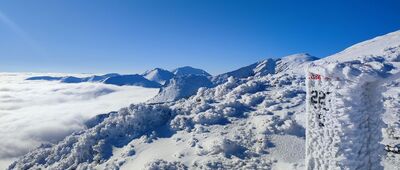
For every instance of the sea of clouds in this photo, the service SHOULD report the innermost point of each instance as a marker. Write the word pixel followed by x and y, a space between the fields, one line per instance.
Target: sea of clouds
pixel 36 112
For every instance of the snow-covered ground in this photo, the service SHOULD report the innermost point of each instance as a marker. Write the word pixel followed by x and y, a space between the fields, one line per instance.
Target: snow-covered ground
pixel 252 118
pixel 36 112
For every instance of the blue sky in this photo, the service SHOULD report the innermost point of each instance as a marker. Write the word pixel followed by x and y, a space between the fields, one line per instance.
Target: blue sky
pixel 216 35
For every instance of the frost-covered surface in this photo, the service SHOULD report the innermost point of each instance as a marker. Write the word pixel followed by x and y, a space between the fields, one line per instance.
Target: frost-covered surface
pixel 254 121
pixel 158 75
pixel 346 113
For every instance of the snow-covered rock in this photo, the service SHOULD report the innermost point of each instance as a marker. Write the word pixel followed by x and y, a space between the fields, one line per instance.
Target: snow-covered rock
pixel 187 70
pixel 158 75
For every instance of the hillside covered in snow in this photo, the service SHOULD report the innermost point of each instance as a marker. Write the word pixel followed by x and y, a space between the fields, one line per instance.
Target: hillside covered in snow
pixel 250 118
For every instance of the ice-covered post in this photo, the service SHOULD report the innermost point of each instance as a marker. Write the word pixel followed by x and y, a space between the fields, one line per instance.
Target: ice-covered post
pixel 343 117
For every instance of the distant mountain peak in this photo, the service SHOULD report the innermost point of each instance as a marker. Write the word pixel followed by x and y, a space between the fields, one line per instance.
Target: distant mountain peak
pixel 188 70
pixel 295 62
pixel 134 79
pixel 300 57
pixel 181 87
pixel 158 75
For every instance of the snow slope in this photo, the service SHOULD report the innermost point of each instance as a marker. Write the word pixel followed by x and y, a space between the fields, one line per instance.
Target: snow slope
pixel 187 70
pixel 158 75
pixel 253 119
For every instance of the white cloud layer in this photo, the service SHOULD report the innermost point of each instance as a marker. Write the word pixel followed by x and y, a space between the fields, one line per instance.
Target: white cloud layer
pixel 35 112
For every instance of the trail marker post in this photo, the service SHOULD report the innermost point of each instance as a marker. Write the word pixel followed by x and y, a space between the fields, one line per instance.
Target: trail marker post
pixel 343 128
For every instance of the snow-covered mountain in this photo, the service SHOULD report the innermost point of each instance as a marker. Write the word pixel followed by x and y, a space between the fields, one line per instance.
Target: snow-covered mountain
pixel 158 75
pixel 181 87
pixel 111 78
pixel 48 78
pixel 252 118
pixel 134 79
pixel 187 70
pixel 293 63
pixel 73 79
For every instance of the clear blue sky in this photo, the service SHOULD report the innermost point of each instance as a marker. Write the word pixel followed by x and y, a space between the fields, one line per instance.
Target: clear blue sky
pixel 132 36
